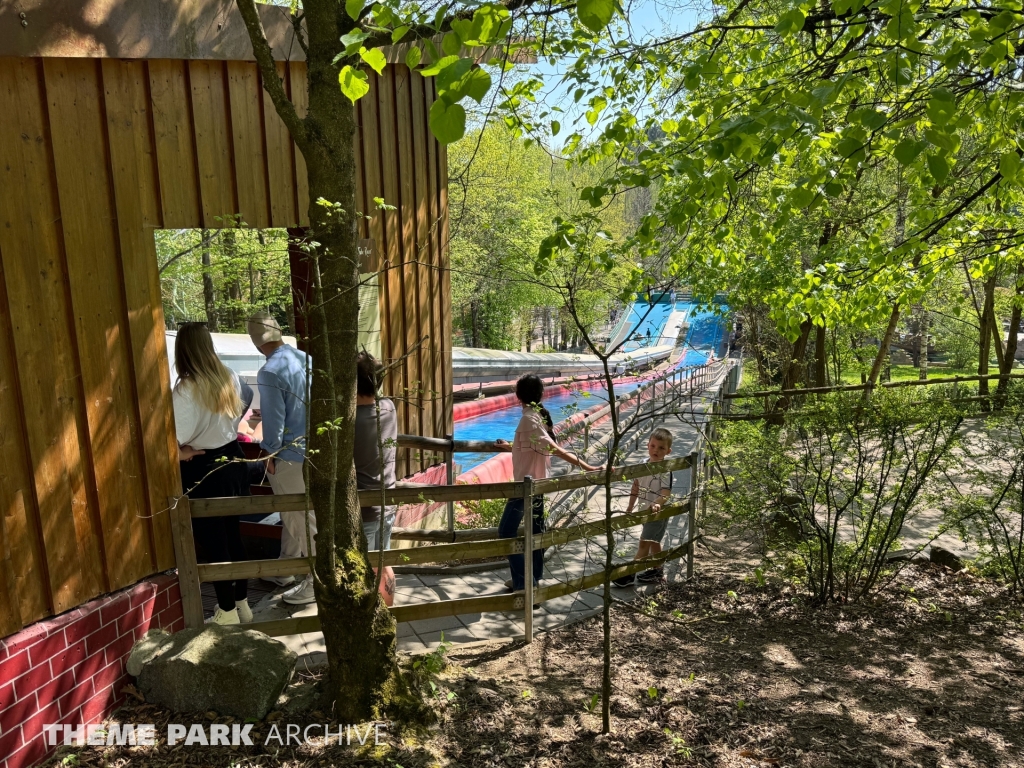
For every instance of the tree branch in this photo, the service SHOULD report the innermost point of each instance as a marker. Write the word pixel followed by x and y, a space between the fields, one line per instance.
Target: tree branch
pixel 272 83
pixel 187 251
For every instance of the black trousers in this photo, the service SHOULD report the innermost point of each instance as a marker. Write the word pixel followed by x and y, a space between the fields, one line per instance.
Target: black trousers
pixel 219 472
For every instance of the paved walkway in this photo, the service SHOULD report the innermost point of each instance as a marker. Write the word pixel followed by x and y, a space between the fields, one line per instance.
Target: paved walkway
pixel 567 562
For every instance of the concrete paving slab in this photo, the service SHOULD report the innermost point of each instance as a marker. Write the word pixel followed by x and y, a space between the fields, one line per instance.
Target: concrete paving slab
pixel 432 625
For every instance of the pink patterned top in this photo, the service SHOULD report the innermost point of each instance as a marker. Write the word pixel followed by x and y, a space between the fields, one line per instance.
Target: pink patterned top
pixel 532 447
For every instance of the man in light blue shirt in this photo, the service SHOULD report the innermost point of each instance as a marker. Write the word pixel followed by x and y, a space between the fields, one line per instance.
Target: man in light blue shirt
pixel 284 391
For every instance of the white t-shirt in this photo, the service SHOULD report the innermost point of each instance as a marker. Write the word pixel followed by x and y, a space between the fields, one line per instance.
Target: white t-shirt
pixel 198 427
pixel 651 488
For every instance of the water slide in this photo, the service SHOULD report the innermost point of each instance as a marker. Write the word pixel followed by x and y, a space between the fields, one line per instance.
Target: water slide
pixel 706 335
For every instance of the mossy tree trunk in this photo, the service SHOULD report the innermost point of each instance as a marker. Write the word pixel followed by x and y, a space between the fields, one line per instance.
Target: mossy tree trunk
pixel 359 631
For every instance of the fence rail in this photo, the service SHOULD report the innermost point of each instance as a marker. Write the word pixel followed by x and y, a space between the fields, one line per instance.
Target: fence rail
pixel 191 573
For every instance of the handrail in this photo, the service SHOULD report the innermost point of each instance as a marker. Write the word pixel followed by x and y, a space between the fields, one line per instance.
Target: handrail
pixel 860 387
pixel 251 569
pixel 619 474
pixel 296 502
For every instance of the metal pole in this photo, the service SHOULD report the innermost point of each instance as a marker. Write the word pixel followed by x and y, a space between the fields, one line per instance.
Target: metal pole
pixel 528 556
pixel 586 436
pixel 450 465
pixel 691 517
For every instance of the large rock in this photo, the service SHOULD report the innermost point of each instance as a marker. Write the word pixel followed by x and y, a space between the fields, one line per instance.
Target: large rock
pixel 230 670
pixel 144 650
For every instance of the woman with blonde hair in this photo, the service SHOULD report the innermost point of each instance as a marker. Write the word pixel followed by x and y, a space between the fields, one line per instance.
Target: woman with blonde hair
pixel 209 400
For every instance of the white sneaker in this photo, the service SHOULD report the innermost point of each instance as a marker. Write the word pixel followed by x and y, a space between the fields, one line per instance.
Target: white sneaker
pixel 281 581
pixel 301 594
pixel 244 611
pixel 224 617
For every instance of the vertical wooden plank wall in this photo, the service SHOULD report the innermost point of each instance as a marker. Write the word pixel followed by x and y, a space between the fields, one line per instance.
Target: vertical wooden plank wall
pixel 95 155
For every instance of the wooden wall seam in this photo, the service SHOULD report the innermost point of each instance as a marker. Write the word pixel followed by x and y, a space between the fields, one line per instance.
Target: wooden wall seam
pixel 135 564
pixel 129 119
pixel 81 572
pixel 23 571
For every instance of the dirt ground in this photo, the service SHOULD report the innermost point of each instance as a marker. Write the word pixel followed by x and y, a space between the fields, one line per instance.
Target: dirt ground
pixel 723 672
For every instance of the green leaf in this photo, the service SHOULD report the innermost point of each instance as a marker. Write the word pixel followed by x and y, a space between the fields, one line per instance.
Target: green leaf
pixel 398 33
pixel 475 84
pixel 353 83
pixel 849 146
pixel 941 106
pixel 461 79
pixel 555 127
pixel 412 58
pixel 353 7
pixel 791 22
pixel 803 196
pixel 908 150
pixel 447 121
pixel 940 139
pixel 595 15
pixel 939 166
pixel 869 117
pixel 353 41
pixel 464 29
pixel 440 65
pixel 1009 165
pixel 490 23
pixel 374 58
pixel 451 44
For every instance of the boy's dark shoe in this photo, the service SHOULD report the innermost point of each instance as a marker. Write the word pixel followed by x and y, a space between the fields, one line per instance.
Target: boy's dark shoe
pixel 651 576
pixel 624 581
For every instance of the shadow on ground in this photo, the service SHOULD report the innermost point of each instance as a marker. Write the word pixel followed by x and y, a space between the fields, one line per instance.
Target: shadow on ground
pixel 713 673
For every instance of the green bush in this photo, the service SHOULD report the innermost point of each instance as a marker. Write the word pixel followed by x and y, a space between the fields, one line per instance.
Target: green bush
pixel 832 488
pixel 485 513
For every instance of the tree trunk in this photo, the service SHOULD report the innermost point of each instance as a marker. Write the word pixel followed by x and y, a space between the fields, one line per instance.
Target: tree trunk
pixel 883 349
pixel 820 357
pixel 795 367
pixel 472 320
pixel 1010 353
pixel 922 344
pixel 763 374
pixel 209 294
pixel 985 335
pixel 359 631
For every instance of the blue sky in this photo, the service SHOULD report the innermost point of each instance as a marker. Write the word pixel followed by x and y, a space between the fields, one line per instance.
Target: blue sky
pixel 647 19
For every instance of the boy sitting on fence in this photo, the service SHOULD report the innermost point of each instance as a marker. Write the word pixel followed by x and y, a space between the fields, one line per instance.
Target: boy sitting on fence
pixel 652 491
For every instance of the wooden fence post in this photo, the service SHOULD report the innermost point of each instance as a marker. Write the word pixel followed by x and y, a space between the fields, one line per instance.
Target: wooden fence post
pixel 185 557
pixel 691 526
pixel 528 556
pixel 450 467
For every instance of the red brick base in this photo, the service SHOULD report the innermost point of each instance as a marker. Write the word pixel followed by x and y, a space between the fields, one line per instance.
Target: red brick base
pixel 70 669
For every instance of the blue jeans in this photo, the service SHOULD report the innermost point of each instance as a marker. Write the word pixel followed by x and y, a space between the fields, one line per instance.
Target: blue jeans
pixel 508 528
pixel 372 532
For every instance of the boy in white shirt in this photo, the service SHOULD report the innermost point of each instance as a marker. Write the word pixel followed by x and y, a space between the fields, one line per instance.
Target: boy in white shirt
pixel 652 491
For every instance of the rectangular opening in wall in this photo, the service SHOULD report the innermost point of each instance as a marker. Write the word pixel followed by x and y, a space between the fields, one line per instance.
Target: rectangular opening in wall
pixel 221 277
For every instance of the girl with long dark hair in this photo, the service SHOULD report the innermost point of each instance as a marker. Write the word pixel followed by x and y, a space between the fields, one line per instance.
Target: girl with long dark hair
pixel 532 449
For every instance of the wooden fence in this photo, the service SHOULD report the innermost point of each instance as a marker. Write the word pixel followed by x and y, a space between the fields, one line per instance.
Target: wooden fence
pixel 191 573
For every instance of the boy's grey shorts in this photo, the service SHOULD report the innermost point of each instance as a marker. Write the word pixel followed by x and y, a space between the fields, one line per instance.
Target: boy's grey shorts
pixel 654 530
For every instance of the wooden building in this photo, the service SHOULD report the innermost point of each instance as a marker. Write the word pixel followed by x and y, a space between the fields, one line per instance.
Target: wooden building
pixel 117 119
